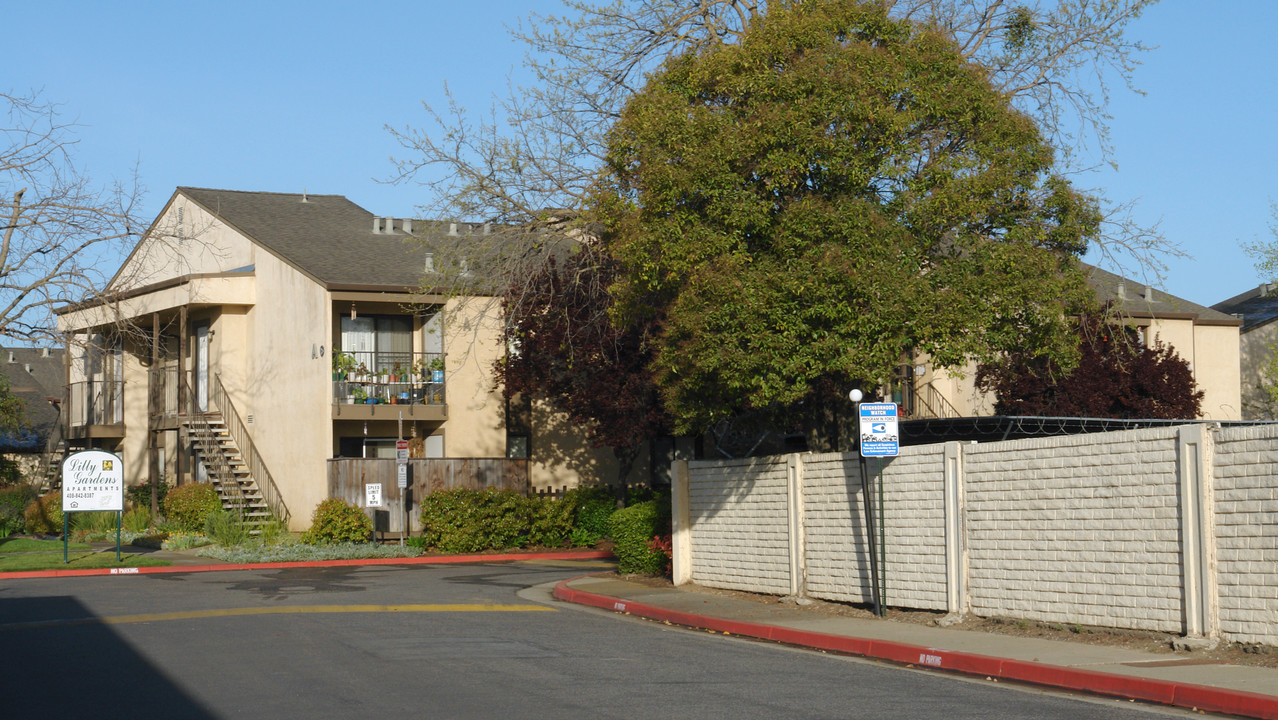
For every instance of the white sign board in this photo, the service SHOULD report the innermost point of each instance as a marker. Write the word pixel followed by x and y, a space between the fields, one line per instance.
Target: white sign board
pixel 401 452
pixel 879 434
pixel 373 495
pixel 92 480
pixel 401 480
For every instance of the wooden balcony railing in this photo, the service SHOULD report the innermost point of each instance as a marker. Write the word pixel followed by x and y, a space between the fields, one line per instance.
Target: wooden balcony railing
pixel 95 402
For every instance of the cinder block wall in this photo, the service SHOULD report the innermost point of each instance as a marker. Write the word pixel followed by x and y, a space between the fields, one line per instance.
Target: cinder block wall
pixel 739 524
pixel 1172 530
pixel 1080 529
pixel 838 566
pixel 1246 532
pixel 913 524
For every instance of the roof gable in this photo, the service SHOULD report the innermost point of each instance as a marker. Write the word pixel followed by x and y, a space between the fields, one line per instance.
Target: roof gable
pixel 327 237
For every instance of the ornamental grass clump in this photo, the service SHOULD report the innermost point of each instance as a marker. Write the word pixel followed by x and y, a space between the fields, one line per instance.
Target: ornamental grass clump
pixel 336 521
pixel 188 506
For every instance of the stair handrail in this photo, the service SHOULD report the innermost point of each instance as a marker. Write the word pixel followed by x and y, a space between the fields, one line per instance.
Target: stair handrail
pixel 937 404
pixel 244 441
pixel 220 468
pixel 52 449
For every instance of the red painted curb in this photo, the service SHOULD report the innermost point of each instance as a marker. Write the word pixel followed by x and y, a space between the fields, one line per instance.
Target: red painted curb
pixel 223 567
pixel 1185 695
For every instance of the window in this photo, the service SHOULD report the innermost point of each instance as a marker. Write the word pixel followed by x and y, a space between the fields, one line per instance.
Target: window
pixel 517 447
pixel 379 341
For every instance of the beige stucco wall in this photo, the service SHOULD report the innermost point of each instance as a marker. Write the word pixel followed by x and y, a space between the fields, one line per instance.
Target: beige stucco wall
pixel 199 244
pixel 1216 370
pixel 1212 352
pixel 272 376
pixel 561 456
pixel 1255 347
pixel 476 424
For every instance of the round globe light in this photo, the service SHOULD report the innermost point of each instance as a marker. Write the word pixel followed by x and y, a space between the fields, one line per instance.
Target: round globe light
pixel 855 396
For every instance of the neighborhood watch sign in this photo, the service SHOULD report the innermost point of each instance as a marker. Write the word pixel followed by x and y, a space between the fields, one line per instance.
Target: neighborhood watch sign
pixel 92 480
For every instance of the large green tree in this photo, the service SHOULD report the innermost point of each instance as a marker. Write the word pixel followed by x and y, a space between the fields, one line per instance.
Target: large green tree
pixel 528 166
pixel 836 190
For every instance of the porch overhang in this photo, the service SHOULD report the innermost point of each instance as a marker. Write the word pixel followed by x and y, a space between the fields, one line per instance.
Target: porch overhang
pixel 221 289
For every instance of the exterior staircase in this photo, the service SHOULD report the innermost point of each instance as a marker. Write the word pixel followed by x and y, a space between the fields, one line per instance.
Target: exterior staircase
pixel 227 471
pixel 51 467
pixel 55 451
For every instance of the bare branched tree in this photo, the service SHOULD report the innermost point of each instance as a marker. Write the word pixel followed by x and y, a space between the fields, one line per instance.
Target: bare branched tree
pixel 59 229
pixel 534 156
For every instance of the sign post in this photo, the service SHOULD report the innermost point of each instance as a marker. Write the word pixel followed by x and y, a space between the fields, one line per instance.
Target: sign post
pixel 401 479
pixel 92 481
pixel 879 437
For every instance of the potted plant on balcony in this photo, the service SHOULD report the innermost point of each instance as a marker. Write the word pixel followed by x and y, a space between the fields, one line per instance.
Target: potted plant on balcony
pixel 436 366
pixel 343 365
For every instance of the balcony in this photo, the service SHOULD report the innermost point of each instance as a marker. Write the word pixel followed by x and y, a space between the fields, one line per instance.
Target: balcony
pixel 388 385
pixel 95 409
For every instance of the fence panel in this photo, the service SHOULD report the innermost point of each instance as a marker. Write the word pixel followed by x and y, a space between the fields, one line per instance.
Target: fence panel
pixel 348 478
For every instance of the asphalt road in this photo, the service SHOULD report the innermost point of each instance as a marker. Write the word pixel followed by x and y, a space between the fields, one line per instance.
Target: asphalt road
pixel 461 641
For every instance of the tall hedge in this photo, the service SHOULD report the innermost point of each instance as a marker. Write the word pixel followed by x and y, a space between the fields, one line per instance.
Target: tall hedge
pixel 632 528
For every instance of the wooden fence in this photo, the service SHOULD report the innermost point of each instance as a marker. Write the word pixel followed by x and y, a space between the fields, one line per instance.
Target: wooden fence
pixel 348 479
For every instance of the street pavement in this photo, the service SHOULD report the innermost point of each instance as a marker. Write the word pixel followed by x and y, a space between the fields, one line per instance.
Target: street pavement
pixel 1179 680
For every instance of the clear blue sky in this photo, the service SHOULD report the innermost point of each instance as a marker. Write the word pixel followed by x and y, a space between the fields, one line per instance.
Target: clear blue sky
pixel 286 96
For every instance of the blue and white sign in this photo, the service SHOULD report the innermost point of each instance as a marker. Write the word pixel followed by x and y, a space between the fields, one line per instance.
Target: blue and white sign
pixel 879 434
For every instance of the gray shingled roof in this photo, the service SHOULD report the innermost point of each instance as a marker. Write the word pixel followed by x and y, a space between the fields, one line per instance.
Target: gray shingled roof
pixel 1137 299
pixel 34 378
pixel 326 236
pixel 1256 307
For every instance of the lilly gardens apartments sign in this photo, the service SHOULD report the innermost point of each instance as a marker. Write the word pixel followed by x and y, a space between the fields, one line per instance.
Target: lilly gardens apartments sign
pixel 92 481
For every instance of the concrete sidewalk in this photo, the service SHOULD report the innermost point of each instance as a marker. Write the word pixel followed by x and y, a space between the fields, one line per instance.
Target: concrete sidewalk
pixel 1178 680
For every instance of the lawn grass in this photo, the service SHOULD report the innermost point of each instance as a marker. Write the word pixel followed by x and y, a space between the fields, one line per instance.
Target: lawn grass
pixel 22 545
pixel 25 554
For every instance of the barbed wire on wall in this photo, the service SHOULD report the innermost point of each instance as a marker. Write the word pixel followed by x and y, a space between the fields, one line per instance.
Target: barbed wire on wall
pixel 1004 427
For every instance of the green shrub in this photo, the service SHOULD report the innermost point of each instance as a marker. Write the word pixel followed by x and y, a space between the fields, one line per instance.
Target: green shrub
pixel 632 529
pixel 592 506
pixel 44 514
pixel 225 528
pixel 550 521
pixel 461 520
pixel 13 501
pixel 139 496
pixel 187 506
pixel 336 521
pixel 10 473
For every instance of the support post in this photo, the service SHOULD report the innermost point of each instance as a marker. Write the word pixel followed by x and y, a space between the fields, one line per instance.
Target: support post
pixel 681 526
pixel 794 491
pixel 955 570
pixel 155 405
pixel 1193 447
